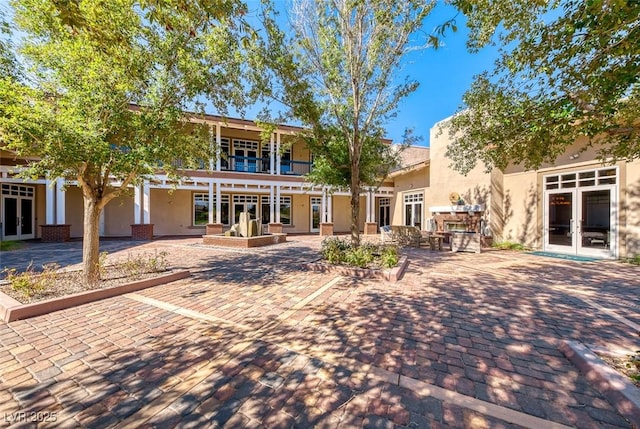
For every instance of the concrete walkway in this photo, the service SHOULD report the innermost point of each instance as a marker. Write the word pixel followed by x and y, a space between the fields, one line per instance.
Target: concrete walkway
pixel 253 340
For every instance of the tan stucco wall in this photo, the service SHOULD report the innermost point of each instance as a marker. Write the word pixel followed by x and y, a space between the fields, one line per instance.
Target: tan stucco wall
pixel 630 211
pixel 74 210
pixel 342 214
pixel 40 209
pixel 299 214
pixel 118 217
pixel 171 213
pixel 412 180
pixel 521 210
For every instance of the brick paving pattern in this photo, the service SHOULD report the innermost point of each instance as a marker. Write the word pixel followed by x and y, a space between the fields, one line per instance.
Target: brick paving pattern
pixel 254 340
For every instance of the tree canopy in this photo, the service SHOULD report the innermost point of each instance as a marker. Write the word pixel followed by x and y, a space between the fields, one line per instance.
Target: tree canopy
pixel 337 74
pixel 567 69
pixel 106 88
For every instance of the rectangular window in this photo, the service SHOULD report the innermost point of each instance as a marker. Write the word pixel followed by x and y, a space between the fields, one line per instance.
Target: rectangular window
pixel 285 210
pixel 265 210
pixel 200 209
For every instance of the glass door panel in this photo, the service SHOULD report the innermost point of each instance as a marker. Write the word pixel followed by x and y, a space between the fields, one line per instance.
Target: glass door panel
pixel 26 218
pixel 560 221
pixel 595 222
pixel 10 218
pixel 315 218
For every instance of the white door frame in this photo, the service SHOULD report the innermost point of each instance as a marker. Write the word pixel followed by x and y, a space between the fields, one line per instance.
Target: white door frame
pixel 15 192
pixel 574 228
pixel 315 202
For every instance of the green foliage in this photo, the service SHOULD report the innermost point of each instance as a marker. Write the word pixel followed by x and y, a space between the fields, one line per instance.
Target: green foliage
pixel 109 87
pixel 333 249
pixel 136 266
pixel 31 282
pixel 635 260
pixel 568 69
pixel 509 245
pixel 7 245
pixel 337 74
pixel 339 251
pixel 390 256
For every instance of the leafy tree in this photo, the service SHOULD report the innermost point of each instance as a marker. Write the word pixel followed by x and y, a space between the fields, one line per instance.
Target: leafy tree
pixel 568 69
pixel 337 74
pixel 104 97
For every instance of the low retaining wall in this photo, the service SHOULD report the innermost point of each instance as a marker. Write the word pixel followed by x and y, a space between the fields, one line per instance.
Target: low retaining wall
pixel 393 274
pixel 11 310
pixel 243 242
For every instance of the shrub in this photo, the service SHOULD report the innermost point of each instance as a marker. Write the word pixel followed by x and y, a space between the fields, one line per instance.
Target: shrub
pixel 359 257
pixel 635 260
pixel 339 251
pixel 389 257
pixel 31 282
pixel 509 245
pixel 333 249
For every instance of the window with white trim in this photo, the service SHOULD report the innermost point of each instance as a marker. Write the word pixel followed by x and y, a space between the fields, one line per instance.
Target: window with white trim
pixel 413 209
pixel 201 206
pixel 285 211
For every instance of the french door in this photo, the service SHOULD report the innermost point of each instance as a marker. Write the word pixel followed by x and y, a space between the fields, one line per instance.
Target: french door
pixel 581 213
pixel 18 221
pixel 316 207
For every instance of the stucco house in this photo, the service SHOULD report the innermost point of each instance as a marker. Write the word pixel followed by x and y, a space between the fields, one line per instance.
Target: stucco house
pixel 264 179
pixel 576 206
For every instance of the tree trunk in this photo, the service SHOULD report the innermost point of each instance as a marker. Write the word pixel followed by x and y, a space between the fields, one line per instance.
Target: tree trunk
pixel 355 204
pixel 91 241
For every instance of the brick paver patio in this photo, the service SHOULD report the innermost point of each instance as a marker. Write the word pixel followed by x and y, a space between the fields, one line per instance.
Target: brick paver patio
pixel 253 339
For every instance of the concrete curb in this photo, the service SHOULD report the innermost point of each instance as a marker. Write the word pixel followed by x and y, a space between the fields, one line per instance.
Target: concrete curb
pixel 393 275
pixel 620 392
pixel 11 310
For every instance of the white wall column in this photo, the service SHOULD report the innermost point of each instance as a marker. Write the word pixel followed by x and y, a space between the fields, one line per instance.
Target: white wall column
pixel 278 156
pixel 368 204
pixel 329 208
pixel 373 208
pixel 50 202
pixel 272 156
pixel 211 197
pixel 218 148
pixel 212 149
pixel 60 202
pixel 218 204
pixel 272 205
pixel 146 203
pixel 323 207
pixel 277 203
pixel 137 205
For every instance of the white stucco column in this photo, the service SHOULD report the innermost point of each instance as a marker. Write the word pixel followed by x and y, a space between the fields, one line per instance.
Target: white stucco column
pixel 218 203
pixel 323 207
pixel 211 197
pixel 368 204
pixel 50 202
pixel 272 156
pixel 278 157
pixel 277 203
pixel 218 148
pixel 329 208
pixel 146 203
pixel 212 152
pixel 137 205
pixel 373 207
pixel 272 205
pixel 60 202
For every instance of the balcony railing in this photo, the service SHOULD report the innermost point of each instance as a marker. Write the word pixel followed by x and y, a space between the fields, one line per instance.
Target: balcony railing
pixel 249 164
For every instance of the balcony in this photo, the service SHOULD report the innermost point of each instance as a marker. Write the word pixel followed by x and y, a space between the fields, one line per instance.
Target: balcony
pixel 249 164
